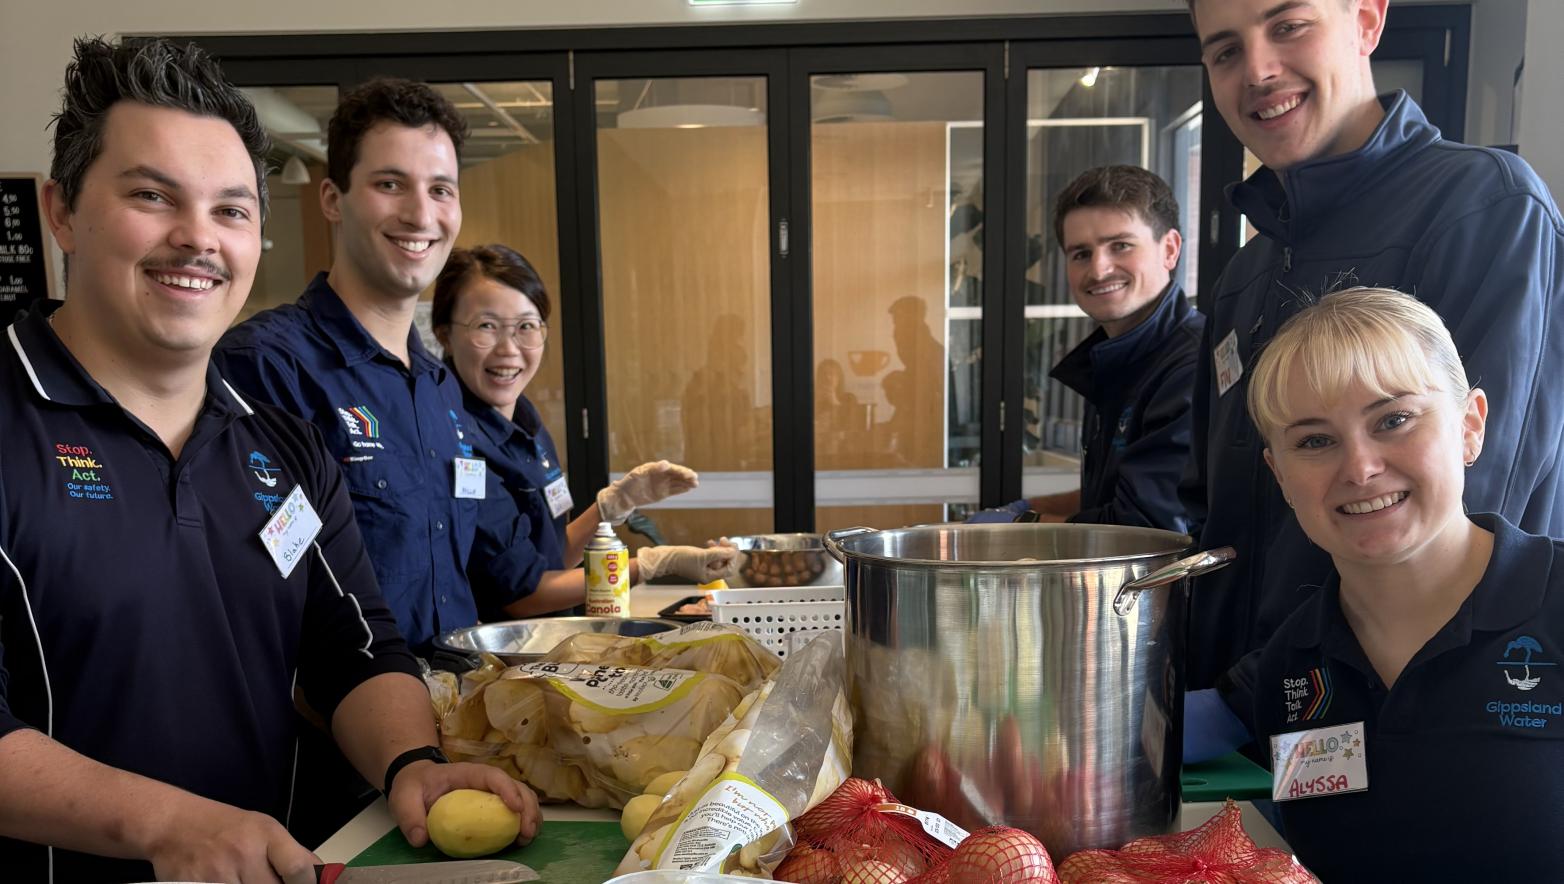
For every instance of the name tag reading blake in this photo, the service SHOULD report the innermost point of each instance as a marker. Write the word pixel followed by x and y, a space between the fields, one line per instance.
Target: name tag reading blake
pixel 558 494
pixel 1326 761
pixel 470 476
pixel 290 531
pixel 1229 368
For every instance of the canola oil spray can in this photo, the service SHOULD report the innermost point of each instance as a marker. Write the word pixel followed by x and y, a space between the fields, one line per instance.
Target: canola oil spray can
pixel 608 574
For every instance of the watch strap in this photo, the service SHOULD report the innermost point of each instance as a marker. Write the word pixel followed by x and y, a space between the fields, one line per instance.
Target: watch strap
pixel 421 753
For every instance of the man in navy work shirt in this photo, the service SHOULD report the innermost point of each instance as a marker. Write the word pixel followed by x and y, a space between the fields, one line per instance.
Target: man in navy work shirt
pixel 1358 189
pixel 177 559
pixel 346 358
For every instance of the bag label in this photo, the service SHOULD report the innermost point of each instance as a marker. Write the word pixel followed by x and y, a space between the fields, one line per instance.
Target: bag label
pixel 731 813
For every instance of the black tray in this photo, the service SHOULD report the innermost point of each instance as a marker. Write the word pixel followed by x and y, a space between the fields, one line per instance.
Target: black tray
pixel 668 612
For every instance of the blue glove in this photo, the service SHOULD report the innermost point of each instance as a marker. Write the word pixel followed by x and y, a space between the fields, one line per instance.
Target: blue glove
pixel 1007 513
pixel 1211 730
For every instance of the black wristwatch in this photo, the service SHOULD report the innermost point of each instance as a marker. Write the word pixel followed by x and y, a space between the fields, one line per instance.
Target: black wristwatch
pixel 422 753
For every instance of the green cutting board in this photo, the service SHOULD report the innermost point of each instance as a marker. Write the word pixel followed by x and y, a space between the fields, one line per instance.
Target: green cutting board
pixel 1231 776
pixel 563 853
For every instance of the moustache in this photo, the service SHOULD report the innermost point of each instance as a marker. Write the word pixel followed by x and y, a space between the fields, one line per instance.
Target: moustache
pixel 174 266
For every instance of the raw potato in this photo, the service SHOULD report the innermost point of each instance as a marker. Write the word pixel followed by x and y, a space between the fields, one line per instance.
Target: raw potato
pixel 637 811
pixel 466 823
pixel 662 784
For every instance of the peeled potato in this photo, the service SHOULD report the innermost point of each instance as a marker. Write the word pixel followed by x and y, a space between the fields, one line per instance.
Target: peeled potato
pixel 637 811
pixel 662 784
pixel 467 823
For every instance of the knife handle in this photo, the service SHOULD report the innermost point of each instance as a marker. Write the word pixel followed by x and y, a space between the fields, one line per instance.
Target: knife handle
pixel 328 873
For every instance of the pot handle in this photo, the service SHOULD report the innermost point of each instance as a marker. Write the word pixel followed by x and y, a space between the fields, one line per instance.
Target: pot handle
pixel 1199 563
pixel 833 540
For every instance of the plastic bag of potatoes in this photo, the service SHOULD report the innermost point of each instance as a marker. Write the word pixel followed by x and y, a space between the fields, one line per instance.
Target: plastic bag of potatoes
pixel 595 735
pixel 700 647
pixel 784 749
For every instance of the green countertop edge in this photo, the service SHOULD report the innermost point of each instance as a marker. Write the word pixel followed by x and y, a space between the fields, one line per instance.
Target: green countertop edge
pixel 1231 776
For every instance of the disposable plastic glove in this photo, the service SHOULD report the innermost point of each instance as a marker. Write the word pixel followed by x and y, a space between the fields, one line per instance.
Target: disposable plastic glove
pixel 689 562
pixel 647 483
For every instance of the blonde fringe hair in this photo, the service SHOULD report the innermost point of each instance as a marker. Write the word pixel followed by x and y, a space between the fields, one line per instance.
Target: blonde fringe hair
pixel 1387 340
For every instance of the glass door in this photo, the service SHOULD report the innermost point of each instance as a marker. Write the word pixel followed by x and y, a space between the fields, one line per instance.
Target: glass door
pixel 684 221
pixel 899 214
pixel 1078 118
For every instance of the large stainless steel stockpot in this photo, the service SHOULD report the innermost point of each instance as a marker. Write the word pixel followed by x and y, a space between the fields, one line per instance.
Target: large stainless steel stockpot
pixel 1027 675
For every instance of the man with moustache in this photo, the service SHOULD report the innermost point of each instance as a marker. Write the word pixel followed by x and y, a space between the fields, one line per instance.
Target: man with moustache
pixel 156 615
pixel 1358 189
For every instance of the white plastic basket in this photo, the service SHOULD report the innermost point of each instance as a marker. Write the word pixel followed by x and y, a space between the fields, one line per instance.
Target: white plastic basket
pixel 782 619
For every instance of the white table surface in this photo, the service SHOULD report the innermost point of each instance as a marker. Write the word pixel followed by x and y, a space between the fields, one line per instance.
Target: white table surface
pixel 645 601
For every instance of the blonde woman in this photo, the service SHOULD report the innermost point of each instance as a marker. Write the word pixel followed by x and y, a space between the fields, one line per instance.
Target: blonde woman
pixel 1429 657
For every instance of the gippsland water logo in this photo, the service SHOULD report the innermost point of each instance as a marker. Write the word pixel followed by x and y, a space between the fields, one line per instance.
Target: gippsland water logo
pixel 1524 660
pixel 261 466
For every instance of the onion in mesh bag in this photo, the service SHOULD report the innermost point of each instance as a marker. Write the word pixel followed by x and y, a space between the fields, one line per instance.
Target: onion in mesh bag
pixel 1217 852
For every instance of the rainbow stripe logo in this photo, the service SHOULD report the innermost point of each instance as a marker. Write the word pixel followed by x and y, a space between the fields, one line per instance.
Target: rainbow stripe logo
pixel 1319 681
pixel 360 421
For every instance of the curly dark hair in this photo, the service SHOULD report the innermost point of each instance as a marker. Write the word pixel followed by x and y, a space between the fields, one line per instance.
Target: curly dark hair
pixel 385 100
pixel 153 72
pixel 1127 188
pixel 499 263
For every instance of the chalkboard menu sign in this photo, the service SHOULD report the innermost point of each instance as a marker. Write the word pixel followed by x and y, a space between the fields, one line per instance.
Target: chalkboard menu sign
pixel 25 271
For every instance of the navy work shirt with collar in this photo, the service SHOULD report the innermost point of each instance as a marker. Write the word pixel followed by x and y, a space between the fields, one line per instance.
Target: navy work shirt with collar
pixel 1135 433
pixel 1465 751
pixel 521 454
pixel 151 630
pixel 396 431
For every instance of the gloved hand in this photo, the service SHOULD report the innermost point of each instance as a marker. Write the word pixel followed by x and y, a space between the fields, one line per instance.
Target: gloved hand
pixel 1007 513
pixel 647 483
pixel 690 562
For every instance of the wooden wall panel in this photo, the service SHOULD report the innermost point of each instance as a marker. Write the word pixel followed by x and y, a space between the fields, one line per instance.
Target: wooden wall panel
pixel 511 200
pixel 686 296
pixel 879 294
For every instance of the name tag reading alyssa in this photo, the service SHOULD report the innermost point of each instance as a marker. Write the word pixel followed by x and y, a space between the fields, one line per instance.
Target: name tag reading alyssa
pixel 471 474
pixel 290 531
pixel 558 494
pixel 1327 761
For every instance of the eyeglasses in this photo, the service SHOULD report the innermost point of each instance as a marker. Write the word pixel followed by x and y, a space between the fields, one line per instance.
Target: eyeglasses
pixel 486 334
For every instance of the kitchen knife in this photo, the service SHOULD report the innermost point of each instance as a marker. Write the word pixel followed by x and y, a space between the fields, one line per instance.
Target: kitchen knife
pixel 473 871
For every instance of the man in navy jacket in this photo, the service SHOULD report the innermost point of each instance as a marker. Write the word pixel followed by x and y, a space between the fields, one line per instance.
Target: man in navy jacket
pixel 1358 189
pixel 1118 227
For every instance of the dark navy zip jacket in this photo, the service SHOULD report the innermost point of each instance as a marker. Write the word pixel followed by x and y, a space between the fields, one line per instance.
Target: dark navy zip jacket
pixel 1470 231
pixel 1135 435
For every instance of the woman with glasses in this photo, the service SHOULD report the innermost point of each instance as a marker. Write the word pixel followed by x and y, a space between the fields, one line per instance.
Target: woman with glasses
pixel 490 313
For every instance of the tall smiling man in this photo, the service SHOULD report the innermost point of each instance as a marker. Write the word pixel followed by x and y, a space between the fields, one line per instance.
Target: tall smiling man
pixel 156 614
pixel 1359 188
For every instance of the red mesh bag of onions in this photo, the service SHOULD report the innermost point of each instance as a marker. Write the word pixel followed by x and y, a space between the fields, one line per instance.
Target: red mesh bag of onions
pixel 860 834
pixel 995 855
pixel 1218 852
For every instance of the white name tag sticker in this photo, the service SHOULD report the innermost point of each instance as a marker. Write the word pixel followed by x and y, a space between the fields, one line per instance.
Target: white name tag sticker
pixel 558 494
pixel 1326 761
pixel 1229 368
pixel 471 474
pixel 290 531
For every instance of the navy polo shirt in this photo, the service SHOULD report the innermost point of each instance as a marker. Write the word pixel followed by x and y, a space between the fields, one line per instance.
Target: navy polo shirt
pixel 1465 752
pixel 164 631
pixel 521 455
pixel 396 431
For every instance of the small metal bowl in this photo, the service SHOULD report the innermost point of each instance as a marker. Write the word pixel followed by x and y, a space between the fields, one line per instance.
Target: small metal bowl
pixel 772 560
pixel 526 641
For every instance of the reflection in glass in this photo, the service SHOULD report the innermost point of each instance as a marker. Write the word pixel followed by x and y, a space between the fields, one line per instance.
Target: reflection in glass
pixel 897 188
pixel 684 214
pixel 1077 119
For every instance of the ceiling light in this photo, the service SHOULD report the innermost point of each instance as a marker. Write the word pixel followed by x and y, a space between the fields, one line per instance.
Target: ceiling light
pixel 1089 79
